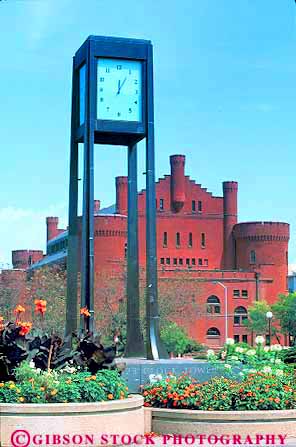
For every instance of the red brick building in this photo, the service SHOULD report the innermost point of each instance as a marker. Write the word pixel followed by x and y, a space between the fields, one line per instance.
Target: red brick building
pixel 201 247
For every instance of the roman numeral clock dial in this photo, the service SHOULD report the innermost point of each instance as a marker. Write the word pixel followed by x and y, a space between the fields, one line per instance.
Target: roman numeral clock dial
pixel 119 93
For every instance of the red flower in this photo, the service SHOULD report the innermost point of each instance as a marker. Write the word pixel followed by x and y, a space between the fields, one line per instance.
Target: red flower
pixel 40 306
pixel 19 309
pixel 84 311
pixel 25 327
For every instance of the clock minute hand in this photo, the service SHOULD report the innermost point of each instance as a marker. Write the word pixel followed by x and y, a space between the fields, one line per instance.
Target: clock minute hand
pixel 120 86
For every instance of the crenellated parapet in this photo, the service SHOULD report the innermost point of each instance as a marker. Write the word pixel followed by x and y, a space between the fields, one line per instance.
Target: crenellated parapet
pixel 23 259
pixel 262 231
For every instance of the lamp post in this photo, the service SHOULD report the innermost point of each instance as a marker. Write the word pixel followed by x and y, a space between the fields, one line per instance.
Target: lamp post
pixel 226 306
pixel 269 316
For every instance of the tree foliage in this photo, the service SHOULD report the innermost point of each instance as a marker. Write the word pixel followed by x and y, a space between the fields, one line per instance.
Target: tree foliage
pixel 257 322
pixel 176 339
pixel 285 312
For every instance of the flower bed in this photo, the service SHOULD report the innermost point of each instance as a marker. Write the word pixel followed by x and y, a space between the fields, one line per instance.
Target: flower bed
pixel 69 385
pixel 55 391
pixel 67 403
pixel 256 392
pixel 260 358
pixel 262 403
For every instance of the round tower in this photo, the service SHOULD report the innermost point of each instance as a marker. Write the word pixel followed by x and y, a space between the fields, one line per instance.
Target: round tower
pixel 52 227
pixel 263 246
pixel 230 219
pixel 110 233
pixel 178 194
pixel 121 195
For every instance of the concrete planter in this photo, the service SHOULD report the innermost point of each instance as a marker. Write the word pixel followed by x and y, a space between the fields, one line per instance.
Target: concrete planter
pixel 38 423
pixel 221 422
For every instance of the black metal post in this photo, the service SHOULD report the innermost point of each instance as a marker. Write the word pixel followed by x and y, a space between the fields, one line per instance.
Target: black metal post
pixel 134 343
pixel 72 255
pixel 155 349
pixel 87 279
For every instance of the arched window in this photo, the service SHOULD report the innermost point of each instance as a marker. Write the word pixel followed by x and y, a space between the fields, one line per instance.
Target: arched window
pixel 213 305
pixel 240 315
pixel 252 257
pixel 213 332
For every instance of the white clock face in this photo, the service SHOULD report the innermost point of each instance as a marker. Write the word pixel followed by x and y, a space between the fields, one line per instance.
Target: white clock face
pixel 119 94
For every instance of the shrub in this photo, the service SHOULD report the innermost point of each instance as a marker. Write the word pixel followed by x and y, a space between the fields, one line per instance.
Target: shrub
pixel 256 392
pixel 18 342
pixel 289 355
pixel 245 359
pixel 266 392
pixel 70 385
pixel 173 392
pixel 177 341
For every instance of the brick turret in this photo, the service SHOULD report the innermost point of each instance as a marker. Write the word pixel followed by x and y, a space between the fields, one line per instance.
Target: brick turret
pixel 121 195
pixel 52 227
pixel 263 246
pixel 178 195
pixel 97 206
pixel 230 219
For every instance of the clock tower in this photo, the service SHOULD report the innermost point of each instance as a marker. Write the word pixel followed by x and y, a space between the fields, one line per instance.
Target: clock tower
pixel 112 103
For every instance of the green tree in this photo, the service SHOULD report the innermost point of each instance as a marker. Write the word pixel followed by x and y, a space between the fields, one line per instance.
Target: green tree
pixel 175 338
pixel 285 312
pixel 257 322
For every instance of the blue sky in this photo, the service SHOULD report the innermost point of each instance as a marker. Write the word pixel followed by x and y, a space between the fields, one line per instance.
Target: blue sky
pixel 225 95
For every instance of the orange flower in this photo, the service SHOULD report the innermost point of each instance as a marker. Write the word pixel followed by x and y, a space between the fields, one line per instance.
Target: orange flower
pixel 19 309
pixel 25 327
pixel 84 311
pixel 110 396
pixel 40 306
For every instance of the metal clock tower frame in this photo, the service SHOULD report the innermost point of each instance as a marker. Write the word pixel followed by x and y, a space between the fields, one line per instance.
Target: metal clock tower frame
pixel 86 128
